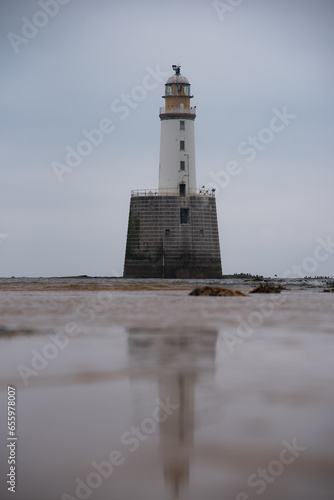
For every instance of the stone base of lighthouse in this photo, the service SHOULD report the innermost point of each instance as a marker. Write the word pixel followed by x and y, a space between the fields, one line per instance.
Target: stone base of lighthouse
pixel 172 237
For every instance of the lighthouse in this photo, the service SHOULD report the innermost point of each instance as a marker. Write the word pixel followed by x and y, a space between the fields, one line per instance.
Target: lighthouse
pixel 177 170
pixel 173 229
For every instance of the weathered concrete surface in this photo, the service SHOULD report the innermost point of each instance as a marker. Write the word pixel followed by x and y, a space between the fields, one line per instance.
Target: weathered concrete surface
pixel 160 246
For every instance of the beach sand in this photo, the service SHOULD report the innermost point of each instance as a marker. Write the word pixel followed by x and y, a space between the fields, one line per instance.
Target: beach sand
pixel 134 390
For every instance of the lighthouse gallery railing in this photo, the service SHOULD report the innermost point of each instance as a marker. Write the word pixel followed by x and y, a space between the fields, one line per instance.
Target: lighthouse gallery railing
pixel 172 192
pixel 178 111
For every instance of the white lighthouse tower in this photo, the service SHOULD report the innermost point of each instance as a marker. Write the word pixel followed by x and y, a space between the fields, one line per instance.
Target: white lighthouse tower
pixel 177 170
pixel 173 230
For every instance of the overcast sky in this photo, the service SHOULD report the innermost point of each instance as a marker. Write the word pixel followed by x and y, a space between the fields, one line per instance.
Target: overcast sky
pixel 262 75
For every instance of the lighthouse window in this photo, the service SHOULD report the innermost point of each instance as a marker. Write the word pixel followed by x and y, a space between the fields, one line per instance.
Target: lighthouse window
pixel 182 165
pixel 182 125
pixel 168 90
pixel 182 145
pixel 184 213
pixel 186 89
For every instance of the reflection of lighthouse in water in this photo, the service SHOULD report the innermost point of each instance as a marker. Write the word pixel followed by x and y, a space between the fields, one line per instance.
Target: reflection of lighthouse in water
pixel 177 432
pixel 180 357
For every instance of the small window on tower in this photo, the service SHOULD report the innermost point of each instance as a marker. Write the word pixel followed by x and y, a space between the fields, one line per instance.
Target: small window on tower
pixel 182 145
pixel 182 125
pixel 182 189
pixel 179 88
pixel 182 165
pixel 184 213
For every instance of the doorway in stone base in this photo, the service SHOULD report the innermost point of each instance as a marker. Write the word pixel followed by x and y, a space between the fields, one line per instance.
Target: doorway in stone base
pixel 182 189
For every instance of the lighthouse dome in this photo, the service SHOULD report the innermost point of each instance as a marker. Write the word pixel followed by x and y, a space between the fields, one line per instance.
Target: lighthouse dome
pixel 177 79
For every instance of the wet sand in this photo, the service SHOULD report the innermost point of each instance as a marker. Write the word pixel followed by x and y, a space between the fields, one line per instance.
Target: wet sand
pixel 135 390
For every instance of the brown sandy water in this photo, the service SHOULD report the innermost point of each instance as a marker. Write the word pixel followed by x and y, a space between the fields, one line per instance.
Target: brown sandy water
pixel 135 390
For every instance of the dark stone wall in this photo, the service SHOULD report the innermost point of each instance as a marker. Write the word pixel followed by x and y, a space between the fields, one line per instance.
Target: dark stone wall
pixel 159 246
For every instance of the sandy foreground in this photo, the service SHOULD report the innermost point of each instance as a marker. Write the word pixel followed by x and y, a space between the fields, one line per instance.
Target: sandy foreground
pixel 130 391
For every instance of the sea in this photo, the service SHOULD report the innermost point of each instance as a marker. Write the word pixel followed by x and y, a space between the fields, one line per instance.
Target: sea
pixel 135 390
